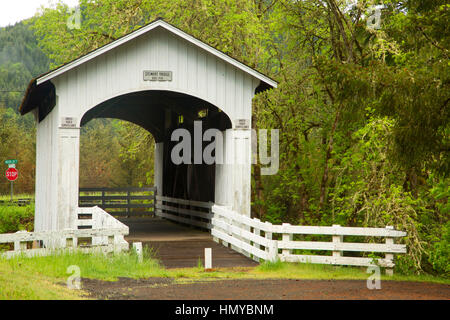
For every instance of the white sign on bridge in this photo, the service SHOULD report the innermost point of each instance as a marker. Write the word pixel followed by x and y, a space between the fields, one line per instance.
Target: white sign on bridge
pixel 68 122
pixel 157 75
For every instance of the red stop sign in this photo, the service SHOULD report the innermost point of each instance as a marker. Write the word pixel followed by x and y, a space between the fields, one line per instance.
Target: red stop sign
pixel 12 174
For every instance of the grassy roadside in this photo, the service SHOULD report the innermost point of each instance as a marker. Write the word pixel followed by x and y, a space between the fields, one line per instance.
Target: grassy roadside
pixel 18 283
pixel 7 197
pixel 43 277
pixel 281 270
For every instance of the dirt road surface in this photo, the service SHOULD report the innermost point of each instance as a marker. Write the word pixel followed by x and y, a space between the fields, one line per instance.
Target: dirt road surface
pixel 166 289
pixel 178 246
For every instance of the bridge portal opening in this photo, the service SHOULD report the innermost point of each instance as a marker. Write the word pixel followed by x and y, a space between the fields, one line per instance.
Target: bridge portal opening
pixel 160 113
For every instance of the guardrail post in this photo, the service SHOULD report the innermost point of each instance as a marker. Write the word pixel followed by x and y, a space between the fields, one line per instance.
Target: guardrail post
pixel 268 236
pixel 287 237
pixel 273 251
pixel 336 240
pixel 389 256
pixel 234 223
pixel 153 198
pixel 256 232
pixel 20 245
pixel 208 258
pixel 243 226
pixel 63 242
pixel 111 244
pixel 137 247
pixel 74 242
pixel 227 231
pixel 128 203
pixel 103 199
pixel 112 241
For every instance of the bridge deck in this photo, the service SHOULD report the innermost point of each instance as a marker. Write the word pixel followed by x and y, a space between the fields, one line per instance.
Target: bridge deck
pixel 178 246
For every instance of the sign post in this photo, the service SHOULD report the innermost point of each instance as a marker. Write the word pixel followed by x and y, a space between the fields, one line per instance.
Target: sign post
pixel 11 174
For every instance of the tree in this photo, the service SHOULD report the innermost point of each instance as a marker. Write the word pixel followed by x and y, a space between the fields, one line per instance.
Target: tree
pixel 362 111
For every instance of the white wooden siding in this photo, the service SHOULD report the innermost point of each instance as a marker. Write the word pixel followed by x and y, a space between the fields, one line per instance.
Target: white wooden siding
pixel 120 71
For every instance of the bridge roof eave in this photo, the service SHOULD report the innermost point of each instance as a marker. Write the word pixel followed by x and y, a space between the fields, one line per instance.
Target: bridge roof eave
pixel 25 107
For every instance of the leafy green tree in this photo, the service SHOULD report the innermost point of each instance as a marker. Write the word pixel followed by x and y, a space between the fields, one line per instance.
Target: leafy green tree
pixel 362 109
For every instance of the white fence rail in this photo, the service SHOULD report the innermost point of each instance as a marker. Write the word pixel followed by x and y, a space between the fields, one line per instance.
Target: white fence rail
pixel 246 233
pixel 250 236
pixel 97 218
pixel 266 241
pixel 194 213
pixel 99 233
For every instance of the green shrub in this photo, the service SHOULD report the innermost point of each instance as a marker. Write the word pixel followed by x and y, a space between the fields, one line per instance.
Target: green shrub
pixel 440 254
pixel 15 218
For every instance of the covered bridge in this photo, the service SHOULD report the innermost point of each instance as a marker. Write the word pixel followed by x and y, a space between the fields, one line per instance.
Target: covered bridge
pixel 159 78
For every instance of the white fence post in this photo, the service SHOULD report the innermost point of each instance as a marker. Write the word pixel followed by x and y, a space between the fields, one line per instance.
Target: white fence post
pixel 389 256
pixel 137 246
pixel 236 224
pixel 287 237
pixel 272 247
pixel 256 232
pixel 336 240
pixel 20 245
pixel 208 258
pixel 273 251
pixel 287 244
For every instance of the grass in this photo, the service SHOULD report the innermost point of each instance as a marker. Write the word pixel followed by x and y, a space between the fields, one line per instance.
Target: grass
pixel 305 271
pixel 14 218
pixel 17 196
pixel 18 283
pixel 93 266
pixel 44 277
pixel 327 272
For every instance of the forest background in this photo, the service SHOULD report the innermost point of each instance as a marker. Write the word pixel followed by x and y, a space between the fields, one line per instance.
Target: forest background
pixel 362 106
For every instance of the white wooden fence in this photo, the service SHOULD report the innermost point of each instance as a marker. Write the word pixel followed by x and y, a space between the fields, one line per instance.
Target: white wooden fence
pixel 100 233
pixel 252 237
pixel 97 219
pixel 193 213
pixel 266 241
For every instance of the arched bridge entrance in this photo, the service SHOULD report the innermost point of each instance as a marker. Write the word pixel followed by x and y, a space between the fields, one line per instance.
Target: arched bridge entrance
pixel 161 79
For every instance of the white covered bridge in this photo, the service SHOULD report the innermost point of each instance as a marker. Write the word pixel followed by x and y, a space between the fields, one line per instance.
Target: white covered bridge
pixel 161 79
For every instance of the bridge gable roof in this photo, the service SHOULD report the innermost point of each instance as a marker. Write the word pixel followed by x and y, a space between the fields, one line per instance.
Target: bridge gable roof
pixel 157 23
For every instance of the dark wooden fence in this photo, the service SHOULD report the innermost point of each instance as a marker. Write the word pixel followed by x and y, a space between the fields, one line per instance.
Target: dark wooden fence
pixel 16 202
pixel 121 202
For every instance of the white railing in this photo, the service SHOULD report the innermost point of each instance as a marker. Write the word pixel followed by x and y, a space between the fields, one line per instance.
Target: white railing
pixel 102 233
pixel 193 213
pixel 266 241
pixel 246 234
pixel 97 218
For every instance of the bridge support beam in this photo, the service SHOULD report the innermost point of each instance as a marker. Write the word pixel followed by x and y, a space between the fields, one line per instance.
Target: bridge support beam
pixel 57 174
pixel 158 167
pixel 233 176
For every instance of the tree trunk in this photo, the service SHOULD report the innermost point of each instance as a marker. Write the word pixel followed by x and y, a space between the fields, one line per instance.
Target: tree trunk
pixel 324 182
